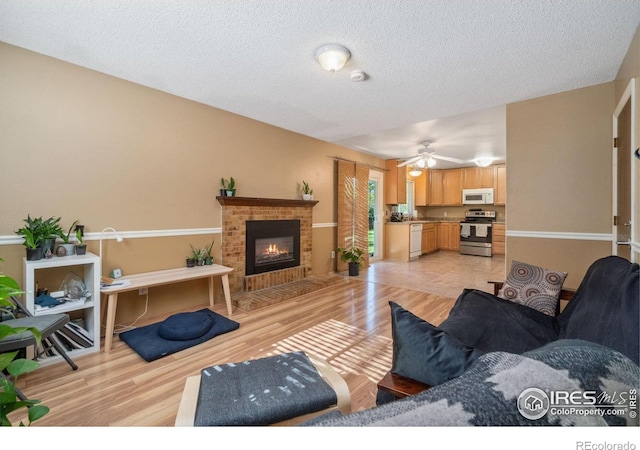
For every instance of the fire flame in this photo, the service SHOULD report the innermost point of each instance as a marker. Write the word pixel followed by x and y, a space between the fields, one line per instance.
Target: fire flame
pixel 274 250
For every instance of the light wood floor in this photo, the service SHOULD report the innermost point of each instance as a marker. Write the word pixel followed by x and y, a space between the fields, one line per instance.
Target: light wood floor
pixel 346 324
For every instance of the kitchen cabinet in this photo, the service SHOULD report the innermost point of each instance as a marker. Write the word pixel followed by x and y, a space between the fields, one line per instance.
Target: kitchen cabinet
pixel 397 241
pixel 421 186
pixel 498 239
pixel 436 194
pixel 395 184
pixel 449 236
pixel 500 184
pixel 429 238
pixel 477 177
pixel 452 187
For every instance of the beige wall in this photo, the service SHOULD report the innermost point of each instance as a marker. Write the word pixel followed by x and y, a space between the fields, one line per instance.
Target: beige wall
pixel 558 154
pixel 79 144
pixel 559 179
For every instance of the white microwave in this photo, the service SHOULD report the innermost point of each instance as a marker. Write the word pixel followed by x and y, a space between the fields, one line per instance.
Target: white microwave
pixel 477 196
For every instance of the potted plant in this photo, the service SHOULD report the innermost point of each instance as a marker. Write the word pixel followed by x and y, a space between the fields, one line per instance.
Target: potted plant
pixel 31 242
pixel 352 256
pixel 66 240
pixel 50 230
pixel 80 247
pixel 208 259
pixel 228 187
pixel 9 363
pixel 307 192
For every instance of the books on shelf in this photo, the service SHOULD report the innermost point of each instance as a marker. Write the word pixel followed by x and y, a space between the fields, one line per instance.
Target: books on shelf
pixel 117 283
pixel 79 337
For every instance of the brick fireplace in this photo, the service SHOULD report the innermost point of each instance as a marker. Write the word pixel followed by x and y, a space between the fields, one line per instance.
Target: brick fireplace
pixel 236 211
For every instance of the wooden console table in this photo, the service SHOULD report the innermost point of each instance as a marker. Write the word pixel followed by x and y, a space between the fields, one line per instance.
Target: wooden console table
pixel 159 278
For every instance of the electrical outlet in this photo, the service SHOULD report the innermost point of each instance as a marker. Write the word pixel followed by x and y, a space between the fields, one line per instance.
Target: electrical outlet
pixel 143 291
pixel 333 254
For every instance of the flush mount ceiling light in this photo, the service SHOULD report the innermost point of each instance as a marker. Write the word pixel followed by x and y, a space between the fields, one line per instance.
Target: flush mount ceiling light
pixel 415 172
pixel 485 161
pixel 332 57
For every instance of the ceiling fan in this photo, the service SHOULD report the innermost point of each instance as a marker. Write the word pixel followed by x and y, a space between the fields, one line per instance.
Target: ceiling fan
pixel 426 157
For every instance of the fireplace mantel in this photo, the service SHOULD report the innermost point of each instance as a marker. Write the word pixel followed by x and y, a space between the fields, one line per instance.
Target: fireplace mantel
pixel 274 202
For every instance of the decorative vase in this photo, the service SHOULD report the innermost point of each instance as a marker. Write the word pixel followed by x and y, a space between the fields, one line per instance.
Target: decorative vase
pixel 69 248
pixel 354 269
pixel 34 254
pixel 81 249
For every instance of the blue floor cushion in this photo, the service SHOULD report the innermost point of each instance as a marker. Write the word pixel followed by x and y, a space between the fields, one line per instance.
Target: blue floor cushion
pixel 176 333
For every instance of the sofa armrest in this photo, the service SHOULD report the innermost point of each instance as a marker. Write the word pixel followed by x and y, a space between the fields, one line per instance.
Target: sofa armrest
pixel 401 387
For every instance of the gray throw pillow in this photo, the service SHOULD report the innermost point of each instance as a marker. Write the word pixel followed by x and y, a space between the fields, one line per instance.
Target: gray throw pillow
pixel 533 286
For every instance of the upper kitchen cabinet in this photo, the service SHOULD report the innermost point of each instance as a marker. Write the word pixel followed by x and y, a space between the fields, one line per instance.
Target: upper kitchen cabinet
pixel 452 187
pixel 500 184
pixel 421 186
pixel 477 177
pixel 395 185
pixel 436 194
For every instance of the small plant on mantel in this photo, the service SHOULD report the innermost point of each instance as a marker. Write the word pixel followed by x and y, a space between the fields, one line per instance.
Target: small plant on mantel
pixel 228 187
pixel 307 192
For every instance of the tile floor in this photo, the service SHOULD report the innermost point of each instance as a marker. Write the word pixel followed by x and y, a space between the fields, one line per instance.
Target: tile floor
pixel 444 273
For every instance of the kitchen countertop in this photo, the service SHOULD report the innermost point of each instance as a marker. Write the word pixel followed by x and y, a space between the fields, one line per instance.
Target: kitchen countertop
pixel 427 220
pixel 435 220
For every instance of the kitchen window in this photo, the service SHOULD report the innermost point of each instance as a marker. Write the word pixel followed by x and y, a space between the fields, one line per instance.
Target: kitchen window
pixel 407 208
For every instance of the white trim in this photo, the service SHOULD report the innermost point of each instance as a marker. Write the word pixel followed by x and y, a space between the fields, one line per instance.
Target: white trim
pixel 95 236
pixel 560 235
pixel 325 225
pixel 629 95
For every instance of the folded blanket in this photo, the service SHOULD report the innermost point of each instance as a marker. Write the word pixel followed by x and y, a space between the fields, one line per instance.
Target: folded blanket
pixel 504 389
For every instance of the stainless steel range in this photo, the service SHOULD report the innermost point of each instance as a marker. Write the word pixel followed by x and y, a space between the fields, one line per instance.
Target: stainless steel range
pixel 475 232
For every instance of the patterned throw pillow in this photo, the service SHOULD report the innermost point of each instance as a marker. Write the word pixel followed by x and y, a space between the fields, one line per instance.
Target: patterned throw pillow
pixel 533 286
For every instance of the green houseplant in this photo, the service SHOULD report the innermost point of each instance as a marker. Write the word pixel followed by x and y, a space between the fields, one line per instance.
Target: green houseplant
pixel 228 187
pixel 66 240
pixel 31 242
pixel 81 247
pixel 352 256
pixel 50 230
pixel 33 231
pixel 307 192
pixel 9 400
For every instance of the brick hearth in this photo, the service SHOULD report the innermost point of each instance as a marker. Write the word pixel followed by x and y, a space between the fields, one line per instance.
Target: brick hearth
pixel 236 211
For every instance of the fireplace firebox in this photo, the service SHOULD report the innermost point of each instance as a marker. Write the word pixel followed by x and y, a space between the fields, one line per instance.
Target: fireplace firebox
pixel 271 245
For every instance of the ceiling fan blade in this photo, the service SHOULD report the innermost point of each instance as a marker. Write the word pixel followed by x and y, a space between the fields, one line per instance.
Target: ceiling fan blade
pixel 447 158
pixel 410 161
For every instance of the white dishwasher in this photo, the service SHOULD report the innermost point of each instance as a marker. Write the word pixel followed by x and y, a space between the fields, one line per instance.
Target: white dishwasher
pixel 415 241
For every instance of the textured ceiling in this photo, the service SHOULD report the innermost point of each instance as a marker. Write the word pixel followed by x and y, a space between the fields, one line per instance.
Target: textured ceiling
pixel 430 64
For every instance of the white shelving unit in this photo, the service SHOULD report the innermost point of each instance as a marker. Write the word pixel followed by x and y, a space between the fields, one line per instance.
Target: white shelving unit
pixel 90 307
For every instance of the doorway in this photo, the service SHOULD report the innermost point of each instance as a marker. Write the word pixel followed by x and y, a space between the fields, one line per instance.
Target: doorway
pixel 624 201
pixel 375 215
